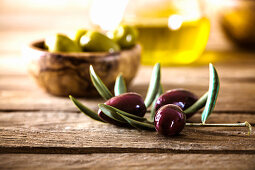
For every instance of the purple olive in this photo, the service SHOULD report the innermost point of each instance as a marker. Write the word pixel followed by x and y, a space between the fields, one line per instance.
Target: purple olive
pixel 180 97
pixel 129 102
pixel 169 120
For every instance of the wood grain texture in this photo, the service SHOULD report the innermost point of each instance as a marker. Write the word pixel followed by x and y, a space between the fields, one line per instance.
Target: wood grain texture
pixel 57 136
pixel 63 132
pixel 21 93
pixel 150 161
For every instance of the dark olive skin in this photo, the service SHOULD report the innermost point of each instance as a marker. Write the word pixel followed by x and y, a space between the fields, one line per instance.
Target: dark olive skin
pixel 94 41
pixel 169 120
pixel 125 36
pixel 129 102
pixel 180 97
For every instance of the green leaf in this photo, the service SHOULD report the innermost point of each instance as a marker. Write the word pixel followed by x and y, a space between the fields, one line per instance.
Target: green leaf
pixel 85 110
pixel 113 109
pixel 153 111
pixel 99 85
pixel 120 85
pixel 138 124
pixel 200 103
pixel 111 113
pixel 153 86
pixel 214 85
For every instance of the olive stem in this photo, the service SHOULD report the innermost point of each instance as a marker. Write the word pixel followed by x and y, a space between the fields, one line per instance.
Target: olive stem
pixel 245 124
pixel 197 105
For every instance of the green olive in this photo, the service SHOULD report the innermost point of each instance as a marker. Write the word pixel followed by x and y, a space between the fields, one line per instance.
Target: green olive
pixel 125 36
pixel 61 43
pixel 79 33
pixel 98 42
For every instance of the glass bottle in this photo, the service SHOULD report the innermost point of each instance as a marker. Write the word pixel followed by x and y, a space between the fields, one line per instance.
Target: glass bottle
pixel 172 32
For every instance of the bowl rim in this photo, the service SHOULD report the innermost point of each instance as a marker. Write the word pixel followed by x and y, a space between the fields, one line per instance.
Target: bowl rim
pixel 34 46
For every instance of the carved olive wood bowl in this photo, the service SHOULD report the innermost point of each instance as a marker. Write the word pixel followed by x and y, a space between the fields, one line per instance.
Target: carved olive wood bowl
pixel 62 74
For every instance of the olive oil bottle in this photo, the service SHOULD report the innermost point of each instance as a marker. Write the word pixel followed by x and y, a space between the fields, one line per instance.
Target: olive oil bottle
pixel 180 45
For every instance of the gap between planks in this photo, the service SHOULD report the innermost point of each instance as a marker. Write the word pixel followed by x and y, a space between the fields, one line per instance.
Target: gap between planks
pixel 47 132
pixel 91 150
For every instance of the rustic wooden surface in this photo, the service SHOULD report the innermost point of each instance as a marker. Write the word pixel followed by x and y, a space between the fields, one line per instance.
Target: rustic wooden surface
pixel 40 131
pixel 37 128
pixel 150 161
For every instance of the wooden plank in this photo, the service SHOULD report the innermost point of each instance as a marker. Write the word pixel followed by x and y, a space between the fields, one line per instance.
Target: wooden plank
pixel 127 161
pixel 237 92
pixel 21 93
pixel 63 132
pixel 232 64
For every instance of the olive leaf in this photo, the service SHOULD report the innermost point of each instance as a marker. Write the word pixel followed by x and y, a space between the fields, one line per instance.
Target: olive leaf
pixel 99 85
pixel 153 86
pixel 85 110
pixel 111 113
pixel 213 91
pixel 113 110
pixel 200 103
pixel 153 110
pixel 138 124
pixel 120 85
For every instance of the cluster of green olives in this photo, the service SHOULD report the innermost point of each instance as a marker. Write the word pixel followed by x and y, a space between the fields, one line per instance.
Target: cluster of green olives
pixel 123 37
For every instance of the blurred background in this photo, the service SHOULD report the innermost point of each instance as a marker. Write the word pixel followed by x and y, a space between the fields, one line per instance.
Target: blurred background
pixel 185 25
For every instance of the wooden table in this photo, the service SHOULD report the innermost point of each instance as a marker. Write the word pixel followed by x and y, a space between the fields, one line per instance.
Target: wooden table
pixel 38 130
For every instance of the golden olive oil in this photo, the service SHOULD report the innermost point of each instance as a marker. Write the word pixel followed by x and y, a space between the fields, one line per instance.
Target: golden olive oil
pixel 169 46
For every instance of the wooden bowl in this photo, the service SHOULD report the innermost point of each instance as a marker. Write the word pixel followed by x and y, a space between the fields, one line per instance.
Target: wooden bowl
pixel 62 74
